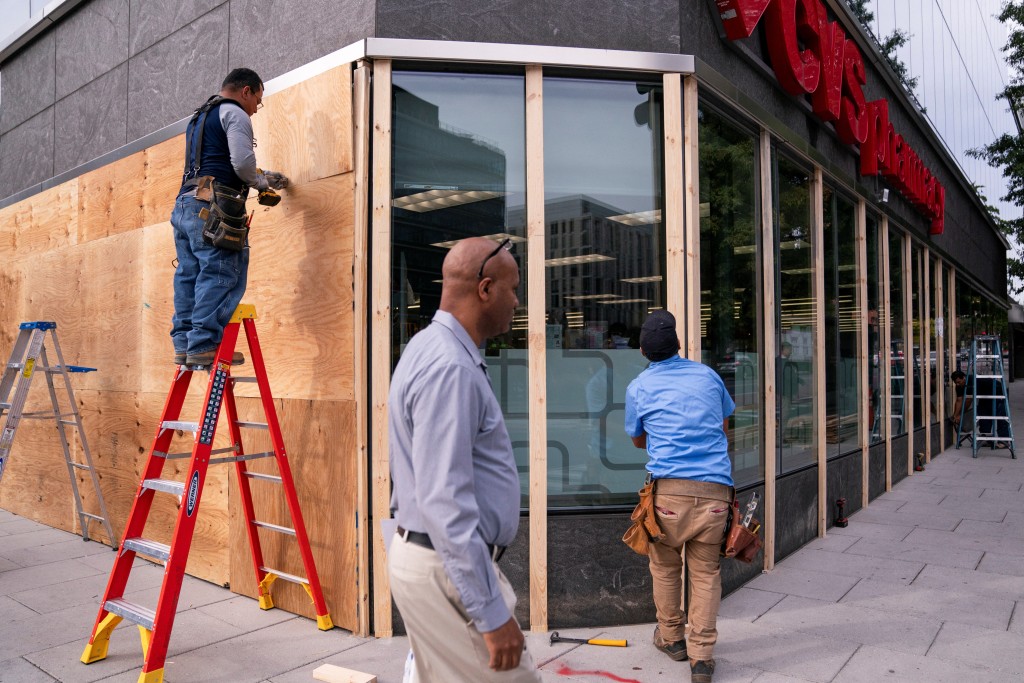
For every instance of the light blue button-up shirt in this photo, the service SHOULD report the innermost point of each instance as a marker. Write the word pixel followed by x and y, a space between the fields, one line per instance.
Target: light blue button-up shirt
pixel 680 405
pixel 454 473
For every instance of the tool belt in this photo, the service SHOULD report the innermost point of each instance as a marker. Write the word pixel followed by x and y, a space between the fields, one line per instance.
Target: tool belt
pixel 741 543
pixel 423 540
pixel 225 225
pixel 644 529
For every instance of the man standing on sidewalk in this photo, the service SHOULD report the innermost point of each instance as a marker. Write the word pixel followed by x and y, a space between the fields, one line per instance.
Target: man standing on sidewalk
pixel 456 487
pixel 678 410
pixel 209 280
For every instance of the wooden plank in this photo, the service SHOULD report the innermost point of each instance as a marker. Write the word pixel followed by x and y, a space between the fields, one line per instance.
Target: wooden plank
pixel 161 180
pixel 537 343
pixel 818 256
pixel 44 221
pixel 360 347
pixel 951 332
pixel 908 350
pixel 110 198
pixel 862 347
pixel 319 438
pixel 691 243
pixel 886 359
pixel 769 352
pixel 675 201
pixel 156 307
pixel 380 333
pixel 300 278
pixel 13 295
pixel 940 356
pixel 305 131
pixel 337 674
pixel 926 353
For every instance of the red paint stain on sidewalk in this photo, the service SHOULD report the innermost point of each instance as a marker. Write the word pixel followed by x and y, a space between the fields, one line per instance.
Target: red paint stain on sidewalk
pixel 566 671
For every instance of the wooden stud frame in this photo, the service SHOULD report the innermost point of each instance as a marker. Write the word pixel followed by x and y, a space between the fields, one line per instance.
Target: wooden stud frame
pixel 926 354
pixel 951 330
pixel 381 333
pixel 691 242
pixel 862 346
pixel 908 351
pixel 768 305
pixel 886 355
pixel 536 313
pixel 818 257
pixel 360 351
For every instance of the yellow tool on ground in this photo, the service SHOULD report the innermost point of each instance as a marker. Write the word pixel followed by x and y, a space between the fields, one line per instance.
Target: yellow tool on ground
pixel 555 638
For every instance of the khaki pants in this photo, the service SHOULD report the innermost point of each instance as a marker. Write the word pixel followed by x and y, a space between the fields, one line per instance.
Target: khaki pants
pixel 694 528
pixel 447 646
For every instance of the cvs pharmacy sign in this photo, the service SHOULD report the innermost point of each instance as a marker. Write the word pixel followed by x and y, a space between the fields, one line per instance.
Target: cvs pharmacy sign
pixel 812 56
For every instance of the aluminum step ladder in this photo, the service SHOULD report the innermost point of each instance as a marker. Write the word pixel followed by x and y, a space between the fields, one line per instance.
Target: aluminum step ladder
pixel 28 357
pixel 991 421
pixel 155 624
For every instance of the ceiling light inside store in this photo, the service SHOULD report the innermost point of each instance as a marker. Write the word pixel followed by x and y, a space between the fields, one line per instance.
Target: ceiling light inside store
pixel 638 217
pixel 496 237
pixel 794 244
pixel 432 200
pixel 624 301
pixel 705 209
pixel 575 297
pixel 745 249
pixel 641 280
pixel 799 271
pixel 576 260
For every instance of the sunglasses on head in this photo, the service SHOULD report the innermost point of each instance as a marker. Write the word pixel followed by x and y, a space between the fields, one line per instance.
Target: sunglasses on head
pixel 505 244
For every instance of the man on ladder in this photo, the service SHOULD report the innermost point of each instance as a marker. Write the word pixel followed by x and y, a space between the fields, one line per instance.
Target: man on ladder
pixel 209 219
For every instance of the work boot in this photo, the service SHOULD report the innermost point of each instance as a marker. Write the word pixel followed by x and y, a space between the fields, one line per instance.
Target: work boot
pixel 179 357
pixel 205 359
pixel 702 671
pixel 676 651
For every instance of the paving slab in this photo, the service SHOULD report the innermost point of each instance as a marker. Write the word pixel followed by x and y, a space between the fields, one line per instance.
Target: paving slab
pixel 1017 621
pixel 851 624
pixel 244 613
pixel 916 495
pixel 943 521
pixel 885 503
pixel 33 634
pixel 995 649
pixel 833 543
pixel 32 539
pixel 997 563
pixel 971 581
pixel 771 677
pixel 809 657
pixel 194 593
pixel 994 480
pixel 932 603
pixel 384 658
pixel 870 530
pixel 27 578
pixel 965 541
pixel 1011 499
pixel 20 670
pixel 20 525
pixel 846 564
pixel 12 610
pixel 911 552
pixel 748 604
pixel 808 584
pixel 54 552
pixel 874 664
pixel 87 590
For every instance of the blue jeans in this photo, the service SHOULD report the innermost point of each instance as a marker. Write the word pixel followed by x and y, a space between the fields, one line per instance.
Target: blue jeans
pixel 208 283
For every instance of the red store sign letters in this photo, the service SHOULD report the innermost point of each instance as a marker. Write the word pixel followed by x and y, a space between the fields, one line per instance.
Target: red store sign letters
pixel 812 56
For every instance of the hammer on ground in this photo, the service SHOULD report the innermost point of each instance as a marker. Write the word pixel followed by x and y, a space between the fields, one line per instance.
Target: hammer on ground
pixel 555 638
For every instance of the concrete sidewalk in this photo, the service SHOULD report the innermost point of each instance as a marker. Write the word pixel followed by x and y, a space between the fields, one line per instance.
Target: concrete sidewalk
pixel 927 584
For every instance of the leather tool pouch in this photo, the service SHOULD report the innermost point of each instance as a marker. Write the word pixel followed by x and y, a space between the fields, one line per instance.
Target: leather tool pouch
pixel 225 226
pixel 740 542
pixel 204 188
pixel 645 529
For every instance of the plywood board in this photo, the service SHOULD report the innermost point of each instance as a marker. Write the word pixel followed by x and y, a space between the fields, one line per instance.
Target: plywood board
pixel 156 306
pixel 818 251
pixel 768 297
pixel 110 198
pixel 318 437
pixel 691 243
pixel 163 168
pixel 305 131
pixel 45 221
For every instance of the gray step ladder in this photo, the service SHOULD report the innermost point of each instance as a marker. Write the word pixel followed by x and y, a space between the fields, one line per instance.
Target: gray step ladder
pixel 991 422
pixel 27 358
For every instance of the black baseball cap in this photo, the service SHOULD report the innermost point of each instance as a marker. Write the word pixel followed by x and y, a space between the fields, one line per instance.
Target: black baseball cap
pixel 658 339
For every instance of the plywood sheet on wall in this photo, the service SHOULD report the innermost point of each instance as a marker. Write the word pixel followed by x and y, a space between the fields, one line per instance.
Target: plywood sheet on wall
pixel 45 221
pixel 318 437
pixel 305 131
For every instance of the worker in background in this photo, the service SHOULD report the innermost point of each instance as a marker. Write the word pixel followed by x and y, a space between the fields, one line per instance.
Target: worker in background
pixel 209 219
pixel 678 410
pixel 456 487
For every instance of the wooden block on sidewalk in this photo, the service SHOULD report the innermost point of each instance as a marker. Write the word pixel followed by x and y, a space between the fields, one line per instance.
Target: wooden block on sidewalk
pixel 337 674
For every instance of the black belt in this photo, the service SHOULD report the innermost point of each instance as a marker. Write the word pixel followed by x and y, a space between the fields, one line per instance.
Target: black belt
pixel 421 539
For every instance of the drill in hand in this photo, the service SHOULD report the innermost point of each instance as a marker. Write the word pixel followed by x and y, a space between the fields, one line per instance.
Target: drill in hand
pixel 269 197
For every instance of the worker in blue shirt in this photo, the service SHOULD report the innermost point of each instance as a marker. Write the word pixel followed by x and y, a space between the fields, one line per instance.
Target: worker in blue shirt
pixel 456 486
pixel 678 410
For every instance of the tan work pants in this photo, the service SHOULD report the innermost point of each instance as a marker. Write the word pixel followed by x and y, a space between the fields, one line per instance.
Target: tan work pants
pixel 694 528
pixel 447 646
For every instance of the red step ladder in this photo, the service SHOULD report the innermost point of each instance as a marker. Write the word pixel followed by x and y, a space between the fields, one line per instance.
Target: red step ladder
pixel 155 625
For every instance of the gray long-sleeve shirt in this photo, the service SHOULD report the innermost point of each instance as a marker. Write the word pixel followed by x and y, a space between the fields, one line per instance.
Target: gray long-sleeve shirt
pixel 454 474
pixel 238 129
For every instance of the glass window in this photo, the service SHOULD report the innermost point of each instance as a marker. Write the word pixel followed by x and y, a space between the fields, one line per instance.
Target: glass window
pixel 795 315
pixel 876 312
pixel 917 345
pixel 897 335
pixel 842 325
pixel 459 171
pixel 605 270
pixel 730 274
